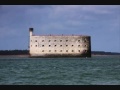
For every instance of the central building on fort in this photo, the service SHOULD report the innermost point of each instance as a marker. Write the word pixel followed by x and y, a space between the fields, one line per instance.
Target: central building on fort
pixel 59 45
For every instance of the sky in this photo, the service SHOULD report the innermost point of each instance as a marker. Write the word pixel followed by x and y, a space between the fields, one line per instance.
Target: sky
pixel 101 22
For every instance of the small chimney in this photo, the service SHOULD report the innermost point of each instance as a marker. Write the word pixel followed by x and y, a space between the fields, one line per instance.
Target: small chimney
pixel 31 31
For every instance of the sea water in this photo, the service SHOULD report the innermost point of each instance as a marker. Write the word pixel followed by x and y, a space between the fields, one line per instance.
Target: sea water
pixel 97 70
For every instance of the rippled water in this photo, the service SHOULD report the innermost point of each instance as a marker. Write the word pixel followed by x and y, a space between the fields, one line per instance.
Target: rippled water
pixel 98 70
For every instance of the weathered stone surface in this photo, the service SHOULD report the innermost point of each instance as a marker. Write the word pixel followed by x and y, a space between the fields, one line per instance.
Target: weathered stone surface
pixel 59 45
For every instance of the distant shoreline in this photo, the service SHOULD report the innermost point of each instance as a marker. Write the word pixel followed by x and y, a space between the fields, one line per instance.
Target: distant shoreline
pixel 14 55
pixel 25 53
pixel 22 56
pixel 105 55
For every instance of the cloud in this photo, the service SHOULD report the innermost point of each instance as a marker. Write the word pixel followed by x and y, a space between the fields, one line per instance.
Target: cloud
pixel 66 17
pixel 59 19
pixel 73 10
pixel 97 9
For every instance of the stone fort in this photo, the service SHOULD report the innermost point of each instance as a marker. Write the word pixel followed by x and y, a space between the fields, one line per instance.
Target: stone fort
pixel 59 45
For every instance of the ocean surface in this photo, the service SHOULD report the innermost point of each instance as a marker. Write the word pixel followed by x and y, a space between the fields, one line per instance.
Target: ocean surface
pixel 98 70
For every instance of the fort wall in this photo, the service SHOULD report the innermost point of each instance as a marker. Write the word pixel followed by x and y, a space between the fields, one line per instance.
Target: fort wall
pixel 59 45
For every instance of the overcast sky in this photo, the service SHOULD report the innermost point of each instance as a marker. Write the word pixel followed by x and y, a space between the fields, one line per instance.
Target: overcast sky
pixel 101 22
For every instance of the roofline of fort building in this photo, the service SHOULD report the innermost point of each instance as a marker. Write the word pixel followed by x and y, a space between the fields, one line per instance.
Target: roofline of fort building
pixel 32 29
pixel 62 35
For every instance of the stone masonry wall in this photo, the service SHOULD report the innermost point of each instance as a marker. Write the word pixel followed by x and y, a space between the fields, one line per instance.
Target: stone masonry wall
pixel 44 46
